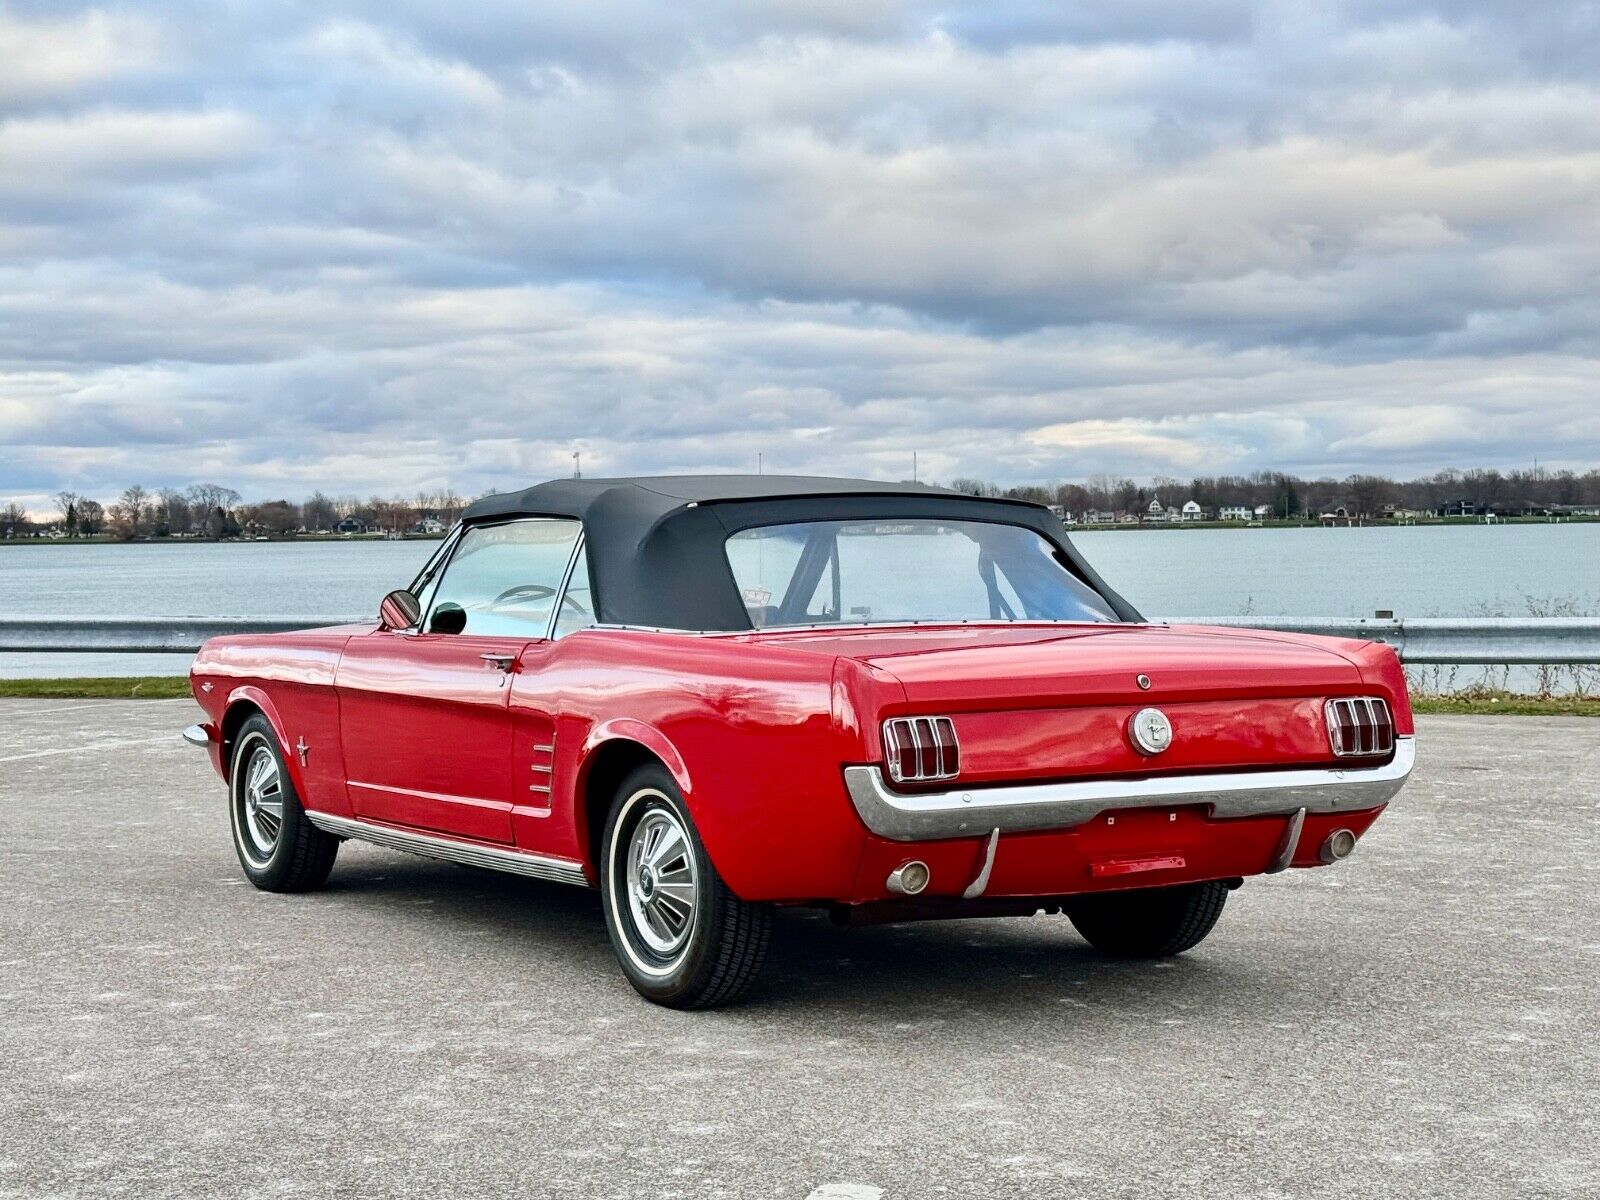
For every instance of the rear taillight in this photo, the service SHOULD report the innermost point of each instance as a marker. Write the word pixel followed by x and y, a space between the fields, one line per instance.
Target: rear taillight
pixel 921 749
pixel 1360 727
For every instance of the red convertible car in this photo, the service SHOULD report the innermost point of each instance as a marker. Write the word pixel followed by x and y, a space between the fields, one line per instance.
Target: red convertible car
pixel 710 696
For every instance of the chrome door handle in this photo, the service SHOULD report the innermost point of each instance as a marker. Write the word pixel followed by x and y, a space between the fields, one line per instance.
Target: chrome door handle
pixel 504 661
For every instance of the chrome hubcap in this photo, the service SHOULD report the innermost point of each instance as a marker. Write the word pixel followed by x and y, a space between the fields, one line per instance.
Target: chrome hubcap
pixel 263 802
pixel 661 882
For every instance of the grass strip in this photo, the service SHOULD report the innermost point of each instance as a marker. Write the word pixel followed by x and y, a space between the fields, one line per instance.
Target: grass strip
pixel 131 687
pixel 1508 704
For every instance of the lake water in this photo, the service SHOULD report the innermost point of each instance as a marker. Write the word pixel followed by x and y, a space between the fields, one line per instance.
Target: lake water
pixel 1506 570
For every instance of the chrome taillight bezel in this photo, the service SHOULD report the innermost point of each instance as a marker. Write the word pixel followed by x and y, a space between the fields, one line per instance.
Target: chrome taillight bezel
pixel 1359 727
pixel 928 743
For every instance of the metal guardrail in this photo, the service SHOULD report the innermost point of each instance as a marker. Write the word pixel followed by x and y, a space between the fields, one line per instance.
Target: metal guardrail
pixel 1450 641
pixel 1424 641
pixel 139 635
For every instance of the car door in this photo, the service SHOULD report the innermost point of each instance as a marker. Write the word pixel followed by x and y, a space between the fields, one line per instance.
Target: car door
pixel 537 706
pixel 424 713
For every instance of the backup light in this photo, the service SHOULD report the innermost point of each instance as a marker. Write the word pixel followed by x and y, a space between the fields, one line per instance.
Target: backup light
pixel 1360 727
pixel 921 749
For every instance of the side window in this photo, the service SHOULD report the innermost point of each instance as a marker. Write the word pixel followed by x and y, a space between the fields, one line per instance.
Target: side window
pixel 577 607
pixel 505 577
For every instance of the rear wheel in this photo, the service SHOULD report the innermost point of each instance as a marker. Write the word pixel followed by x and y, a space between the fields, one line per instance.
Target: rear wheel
pixel 278 847
pixel 1150 922
pixel 683 939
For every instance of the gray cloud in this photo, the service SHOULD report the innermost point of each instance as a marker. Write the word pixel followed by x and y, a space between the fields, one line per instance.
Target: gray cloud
pixel 370 246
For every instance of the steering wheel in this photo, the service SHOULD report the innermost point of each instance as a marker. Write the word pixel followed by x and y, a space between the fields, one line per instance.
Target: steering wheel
pixel 525 593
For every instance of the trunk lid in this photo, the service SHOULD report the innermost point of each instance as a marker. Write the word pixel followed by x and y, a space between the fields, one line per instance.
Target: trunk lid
pixel 1037 702
pixel 976 667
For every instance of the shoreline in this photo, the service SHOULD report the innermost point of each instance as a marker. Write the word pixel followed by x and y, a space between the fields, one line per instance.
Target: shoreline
pixel 1072 530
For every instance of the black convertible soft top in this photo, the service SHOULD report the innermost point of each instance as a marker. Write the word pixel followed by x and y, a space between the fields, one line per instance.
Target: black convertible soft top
pixel 656 543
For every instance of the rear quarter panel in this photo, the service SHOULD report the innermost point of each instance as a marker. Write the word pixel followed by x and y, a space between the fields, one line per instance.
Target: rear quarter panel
pixel 749 733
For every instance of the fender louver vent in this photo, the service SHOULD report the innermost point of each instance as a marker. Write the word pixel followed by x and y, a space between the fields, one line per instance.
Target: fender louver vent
pixel 921 749
pixel 1360 727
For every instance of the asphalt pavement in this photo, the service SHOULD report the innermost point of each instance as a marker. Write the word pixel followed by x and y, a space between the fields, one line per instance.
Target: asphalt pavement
pixel 1421 1020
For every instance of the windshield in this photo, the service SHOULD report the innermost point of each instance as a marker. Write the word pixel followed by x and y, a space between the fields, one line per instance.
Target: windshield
pixel 878 572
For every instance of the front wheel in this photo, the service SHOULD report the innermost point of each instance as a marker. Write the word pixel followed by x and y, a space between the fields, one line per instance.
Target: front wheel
pixel 1150 922
pixel 278 847
pixel 683 939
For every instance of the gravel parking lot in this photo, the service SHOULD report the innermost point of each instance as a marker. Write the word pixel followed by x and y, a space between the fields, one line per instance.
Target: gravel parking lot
pixel 1419 1021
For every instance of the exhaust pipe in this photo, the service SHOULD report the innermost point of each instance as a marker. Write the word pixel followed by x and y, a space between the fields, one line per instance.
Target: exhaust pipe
pixel 1337 845
pixel 908 879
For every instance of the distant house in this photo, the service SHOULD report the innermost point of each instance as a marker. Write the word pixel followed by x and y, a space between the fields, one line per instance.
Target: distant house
pixel 1336 514
pixel 1096 516
pixel 1156 512
pixel 431 526
pixel 1234 512
pixel 351 525
pixel 1193 512
pixel 1461 507
pixel 1519 508
pixel 1127 518
pixel 1263 512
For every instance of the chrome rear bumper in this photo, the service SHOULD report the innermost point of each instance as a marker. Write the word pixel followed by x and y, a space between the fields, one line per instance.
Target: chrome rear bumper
pixel 928 816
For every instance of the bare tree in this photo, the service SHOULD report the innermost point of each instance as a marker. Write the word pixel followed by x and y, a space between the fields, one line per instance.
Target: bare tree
pixel 1369 493
pixel 173 513
pixel 212 495
pixel 974 487
pixel 14 520
pixel 210 503
pixel 392 516
pixel 319 514
pixel 91 517
pixel 1033 492
pixel 67 505
pixel 275 517
pixel 131 512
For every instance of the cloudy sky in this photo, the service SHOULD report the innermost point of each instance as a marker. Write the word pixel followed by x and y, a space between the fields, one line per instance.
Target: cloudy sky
pixel 374 247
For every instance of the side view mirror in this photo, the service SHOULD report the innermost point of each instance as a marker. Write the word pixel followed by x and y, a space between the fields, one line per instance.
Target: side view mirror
pixel 399 610
pixel 448 618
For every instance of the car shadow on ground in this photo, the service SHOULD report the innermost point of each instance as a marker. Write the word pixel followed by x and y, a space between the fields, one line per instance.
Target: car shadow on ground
pixel 899 972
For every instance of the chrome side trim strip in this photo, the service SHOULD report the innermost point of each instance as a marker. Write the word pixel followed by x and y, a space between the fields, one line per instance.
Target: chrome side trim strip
pixel 1283 856
pixel 979 885
pixel 196 735
pixel 472 854
pixel 920 816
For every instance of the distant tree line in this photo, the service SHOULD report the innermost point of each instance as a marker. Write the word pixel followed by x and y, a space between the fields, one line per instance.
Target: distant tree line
pixel 1291 496
pixel 209 510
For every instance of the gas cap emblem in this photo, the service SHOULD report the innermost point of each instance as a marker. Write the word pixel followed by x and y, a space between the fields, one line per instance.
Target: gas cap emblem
pixel 1150 730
